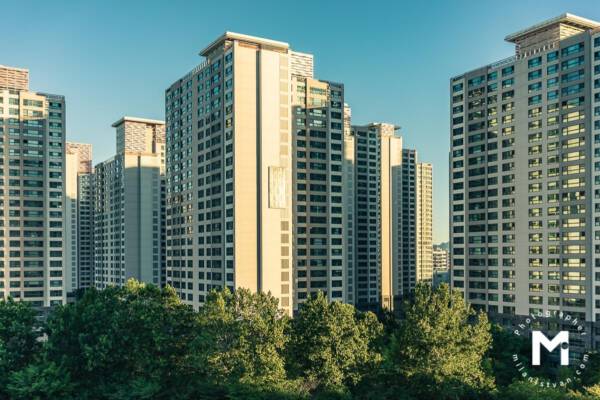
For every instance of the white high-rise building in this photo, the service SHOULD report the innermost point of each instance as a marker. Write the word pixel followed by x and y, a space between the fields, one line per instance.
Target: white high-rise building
pixel 524 182
pixel 415 222
pixel 373 159
pixel 32 205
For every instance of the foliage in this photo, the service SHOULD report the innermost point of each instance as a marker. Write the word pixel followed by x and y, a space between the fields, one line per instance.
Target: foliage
pixel 18 338
pixel 241 338
pixel 142 342
pixel 499 358
pixel 523 390
pixel 438 350
pixel 591 375
pixel 40 381
pixel 332 345
pixel 122 343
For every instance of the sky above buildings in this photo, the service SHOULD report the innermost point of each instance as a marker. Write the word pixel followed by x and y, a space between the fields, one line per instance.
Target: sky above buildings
pixel 114 58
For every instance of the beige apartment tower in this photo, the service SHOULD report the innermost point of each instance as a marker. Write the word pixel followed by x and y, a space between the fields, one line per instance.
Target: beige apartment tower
pixel 388 227
pixel 129 206
pixel 441 259
pixel 373 159
pixel 424 189
pixel 32 203
pixel 229 166
pixel 318 238
pixel 415 221
pixel 262 169
pixel 79 253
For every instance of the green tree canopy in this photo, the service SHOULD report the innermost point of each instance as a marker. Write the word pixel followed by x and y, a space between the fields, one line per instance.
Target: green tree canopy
pixel 332 346
pixel 18 338
pixel 242 338
pixel 523 390
pixel 438 350
pixel 141 342
pixel 499 357
pixel 124 343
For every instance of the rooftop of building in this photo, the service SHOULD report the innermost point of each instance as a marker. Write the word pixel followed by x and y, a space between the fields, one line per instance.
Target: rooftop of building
pixel 384 128
pixel 75 147
pixel 136 119
pixel 243 38
pixel 576 23
pixel 14 68
pixel 14 78
pixel 375 124
pixel 564 19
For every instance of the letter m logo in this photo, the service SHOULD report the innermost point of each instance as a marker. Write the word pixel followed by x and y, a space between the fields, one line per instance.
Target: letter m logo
pixel 538 338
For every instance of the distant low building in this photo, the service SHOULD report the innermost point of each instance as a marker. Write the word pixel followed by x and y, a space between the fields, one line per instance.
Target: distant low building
pixel 441 258
pixel 441 265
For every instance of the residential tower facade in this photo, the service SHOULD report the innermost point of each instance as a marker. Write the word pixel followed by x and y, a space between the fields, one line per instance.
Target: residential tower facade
pixel 523 176
pixel 79 253
pixel 128 206
pixel 32 203
pixel 229 166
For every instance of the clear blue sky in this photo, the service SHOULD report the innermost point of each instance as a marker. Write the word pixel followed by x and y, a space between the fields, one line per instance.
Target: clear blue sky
pixel 115 58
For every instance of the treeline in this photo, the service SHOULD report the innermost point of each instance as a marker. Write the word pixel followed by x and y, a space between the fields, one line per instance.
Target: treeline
pixel 141 342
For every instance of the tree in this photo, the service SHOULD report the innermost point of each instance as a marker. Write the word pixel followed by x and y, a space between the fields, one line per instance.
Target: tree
pixel 499 357
pixel 18 338
pixel 123 343
pixel 439 349
pixel 591 375
pixel 523 390
pixel 242 338
pixel 593 391
pixel 40 380
pixel 332 346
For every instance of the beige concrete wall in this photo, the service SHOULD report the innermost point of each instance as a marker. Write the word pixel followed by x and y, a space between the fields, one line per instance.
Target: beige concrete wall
pixel 262 175
pixel 349 211
pixel 424 223
pixel 70 232
pixel 245 170
pixel 391 159
pixel 271 101
pixel 391 203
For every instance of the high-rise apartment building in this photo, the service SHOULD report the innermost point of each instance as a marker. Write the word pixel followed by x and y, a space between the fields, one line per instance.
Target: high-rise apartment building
pixel 387 196
pixel 349 204
pixel 415 221
pixel 229 167
pixel 32 134
pixel 262 168
pixel 424 211
pixel 524 182
pixel 373 162
pixel 318 216
pixel 79 252
pixel 441 266
pixel 129 206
